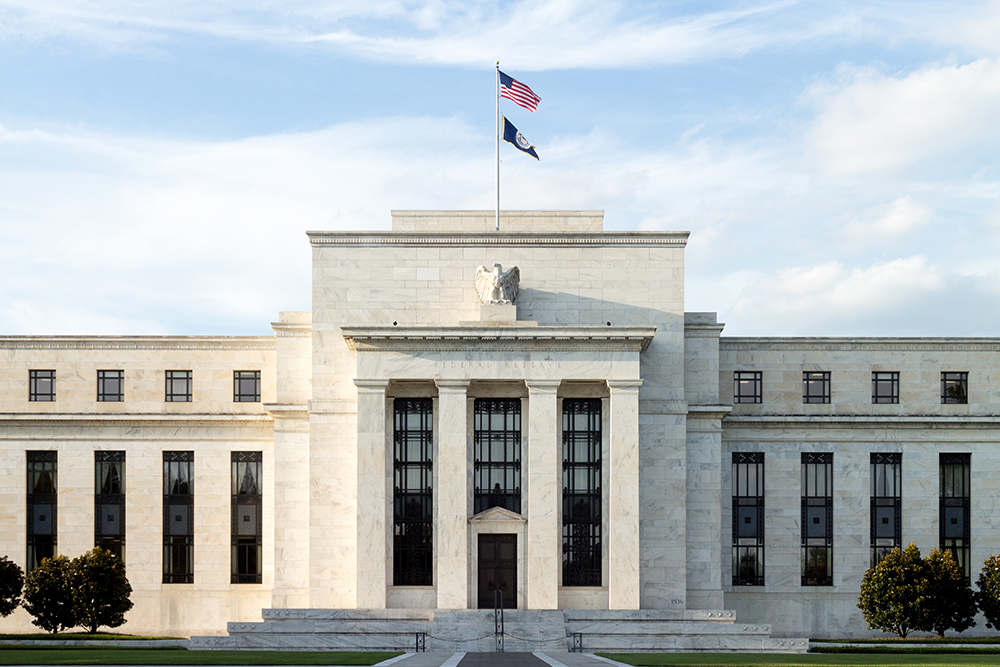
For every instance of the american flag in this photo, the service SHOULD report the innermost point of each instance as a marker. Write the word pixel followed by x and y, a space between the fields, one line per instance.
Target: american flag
pixel 519 93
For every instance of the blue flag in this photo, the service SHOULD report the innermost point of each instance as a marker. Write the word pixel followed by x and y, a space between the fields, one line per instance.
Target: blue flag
pixel 512 136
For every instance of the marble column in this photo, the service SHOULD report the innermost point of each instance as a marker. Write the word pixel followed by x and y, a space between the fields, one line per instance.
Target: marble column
pixel 623 501
pixel 374 473
pixel 452 495
pixel 543 476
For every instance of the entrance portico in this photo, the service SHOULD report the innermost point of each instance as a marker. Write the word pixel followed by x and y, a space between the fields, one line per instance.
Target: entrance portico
pixel 539 365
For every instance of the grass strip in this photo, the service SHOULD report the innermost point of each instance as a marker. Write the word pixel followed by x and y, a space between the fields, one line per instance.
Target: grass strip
pixel 83 655
pixel 47 636
pixel 800 660
pixel 911 640
pixel 906 649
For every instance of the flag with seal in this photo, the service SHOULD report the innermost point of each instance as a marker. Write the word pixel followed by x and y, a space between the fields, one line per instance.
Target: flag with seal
pixel 512 136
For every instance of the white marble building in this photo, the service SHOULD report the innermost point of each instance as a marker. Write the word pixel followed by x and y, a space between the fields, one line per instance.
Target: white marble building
pixel 589 447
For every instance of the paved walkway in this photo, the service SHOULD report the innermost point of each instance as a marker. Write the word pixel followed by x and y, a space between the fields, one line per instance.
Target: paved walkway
pixel 460 659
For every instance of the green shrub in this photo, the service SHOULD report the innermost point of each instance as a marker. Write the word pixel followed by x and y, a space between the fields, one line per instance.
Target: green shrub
pixel 100 590
pixel 950 603
pixel 11 583
pixel 48 594
pixel 988 592
pixel 892 592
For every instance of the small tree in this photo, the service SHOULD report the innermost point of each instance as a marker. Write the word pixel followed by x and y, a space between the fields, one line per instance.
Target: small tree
pixel 11 583
pixel 988 593
pixel 48 594
pixel 892 592
pixel 100 590
pixel 950 603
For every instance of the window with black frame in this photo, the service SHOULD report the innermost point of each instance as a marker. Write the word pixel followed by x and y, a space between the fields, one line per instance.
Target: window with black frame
pixel 246 522
pixel 178 517
pixel 246 386
pixel 955 387
pixel 816 386
pixel 954 516
pixel 111 386
pixel 748 386
pixel 748 518
pixel 109 502
pixel 581 496
pixel 817 519
pixel 497 446
pixel 413 497
pixel 41 386
pixel 178 386
pixel 886 504
pixel 885 387
pixel 41 510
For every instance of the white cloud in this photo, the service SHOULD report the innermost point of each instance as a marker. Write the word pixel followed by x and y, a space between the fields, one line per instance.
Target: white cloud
pixel 888 222
pixel 552 34
pixel 873 123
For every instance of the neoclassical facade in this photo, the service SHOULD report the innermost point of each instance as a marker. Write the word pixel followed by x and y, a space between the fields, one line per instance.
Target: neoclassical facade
pixel 589 446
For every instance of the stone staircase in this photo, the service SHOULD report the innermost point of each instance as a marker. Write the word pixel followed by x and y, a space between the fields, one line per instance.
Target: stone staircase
pixel 524 630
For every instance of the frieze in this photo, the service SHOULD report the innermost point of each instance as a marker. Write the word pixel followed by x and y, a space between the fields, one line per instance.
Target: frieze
pixel 434 339
pixel 538 365
pixel 637 239
pixel 145 343
pixel 860 344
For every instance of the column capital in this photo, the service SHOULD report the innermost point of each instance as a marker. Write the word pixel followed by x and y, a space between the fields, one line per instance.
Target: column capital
pixel 543 386
pixel 452 386
pixel 371 385
pixel 623 384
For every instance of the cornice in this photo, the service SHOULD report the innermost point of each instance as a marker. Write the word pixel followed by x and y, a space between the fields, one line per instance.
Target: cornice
pixel 568 239
pixel 137 342
pixel 286 330
pixel 204 422
pixel 871 421
pixel 860 344
pixel 508 338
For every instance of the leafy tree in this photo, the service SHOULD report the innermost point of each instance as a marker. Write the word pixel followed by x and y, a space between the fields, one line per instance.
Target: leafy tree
pixel 892 592
pixel 11 582
pixel 988 593
pixel 48 594
pixel 950 602
pixel 100 590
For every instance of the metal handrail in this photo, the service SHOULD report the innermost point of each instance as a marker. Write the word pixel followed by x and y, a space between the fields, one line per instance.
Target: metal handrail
pixel 498 619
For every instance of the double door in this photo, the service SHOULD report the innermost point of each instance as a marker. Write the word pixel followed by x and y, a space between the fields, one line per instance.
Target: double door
pixel 498 570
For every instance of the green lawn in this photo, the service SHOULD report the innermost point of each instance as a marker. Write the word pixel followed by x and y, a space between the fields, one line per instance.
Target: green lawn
pixel 179 656
pixel 801 660
pixel 79 635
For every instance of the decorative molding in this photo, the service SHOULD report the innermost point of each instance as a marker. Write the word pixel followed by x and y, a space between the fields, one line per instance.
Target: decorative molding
pixel 862 421
pixel 435 339
pixel 623 384
pixel 137 343
pixel 286 330
pixel 547 239
pixel 286 410
pixel 497 515
pixel 860 344
pixel 122 417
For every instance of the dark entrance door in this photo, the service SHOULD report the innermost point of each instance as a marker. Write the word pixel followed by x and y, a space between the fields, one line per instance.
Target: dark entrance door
pixel 498 569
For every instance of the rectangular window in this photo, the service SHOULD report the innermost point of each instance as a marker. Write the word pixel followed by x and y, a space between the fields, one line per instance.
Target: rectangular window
pixel 42 386
pixel 245 526
pixel 413 509
pixel 111 386
pixel 954 517
pixel 885 387
pixel 886 504
pixel 246 386
pixel 178 517
pixel 747 386
pixel 816 387
pixel 178 386
pixel 497 444
pixel 955 387
pixel 817 519
pixel 42 504
pixel 581 497
pixel 109 502
pixel 748 518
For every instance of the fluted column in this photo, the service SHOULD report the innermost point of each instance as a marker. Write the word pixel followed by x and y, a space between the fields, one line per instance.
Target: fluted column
pixel 623 501
pixel 543 534
pixel 452 495
pixel 374 534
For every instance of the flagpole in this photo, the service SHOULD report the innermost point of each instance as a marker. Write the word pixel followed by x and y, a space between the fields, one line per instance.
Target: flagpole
pixel 498 145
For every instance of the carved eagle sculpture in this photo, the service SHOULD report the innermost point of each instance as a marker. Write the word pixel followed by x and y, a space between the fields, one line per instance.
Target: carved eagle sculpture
pixel 497 286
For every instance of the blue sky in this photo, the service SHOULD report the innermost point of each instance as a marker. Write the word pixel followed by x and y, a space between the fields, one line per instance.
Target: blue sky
pixel 835 162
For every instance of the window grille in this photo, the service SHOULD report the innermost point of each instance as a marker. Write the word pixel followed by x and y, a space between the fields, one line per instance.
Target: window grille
pixel 748 519
pixel 817 519
pixel 42 505
pixel 178 517
pixel 109 502
pixel 413 496
pixel 954 516
pixel 581 496
pixel 886 504
pixel 497 444
pixel 245 522
pixel 747 386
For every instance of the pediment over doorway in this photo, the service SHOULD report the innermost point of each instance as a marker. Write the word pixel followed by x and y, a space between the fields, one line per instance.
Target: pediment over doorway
pixel 498 515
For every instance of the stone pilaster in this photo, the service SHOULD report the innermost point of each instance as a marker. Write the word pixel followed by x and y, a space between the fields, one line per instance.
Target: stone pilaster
pixel 452 495
pixel 543 475
pixel 623 545
pixel 373 495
